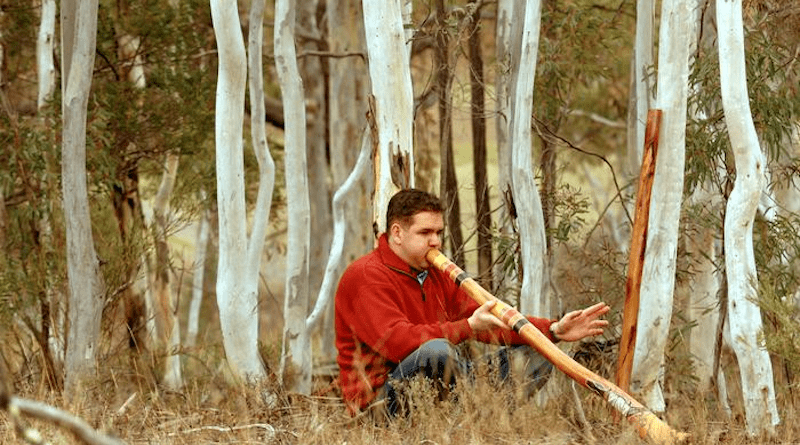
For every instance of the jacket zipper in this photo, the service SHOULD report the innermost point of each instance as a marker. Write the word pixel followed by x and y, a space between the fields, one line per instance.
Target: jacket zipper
pixel 413 277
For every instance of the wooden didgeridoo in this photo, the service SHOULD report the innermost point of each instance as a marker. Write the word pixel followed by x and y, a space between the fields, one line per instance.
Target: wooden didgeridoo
pixel 647 424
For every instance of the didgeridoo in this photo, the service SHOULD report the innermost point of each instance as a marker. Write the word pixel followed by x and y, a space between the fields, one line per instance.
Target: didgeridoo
pixel 647 424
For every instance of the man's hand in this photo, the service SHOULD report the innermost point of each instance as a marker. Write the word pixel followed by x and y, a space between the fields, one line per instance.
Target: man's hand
pixel 582 323
pixel 483 319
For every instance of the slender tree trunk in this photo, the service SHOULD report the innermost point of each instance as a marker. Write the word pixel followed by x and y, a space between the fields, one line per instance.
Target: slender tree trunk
pixel 314 71
pixel 198 277
pixel 702 250
pixel 45 67
pixel 642 91
pixel 296 348
pixel 704 285
pixel 448 182
pixel 744 315
pixel 503 38
pixel 168 325
pixel 237 293
pixel 478 119
pixel 548 191
pixel 530 219
pixel 52 301
pixel 393 110
pixel 335 263
pixel 678 29
pixel 348 88
pixel 86 287
pixel 258 137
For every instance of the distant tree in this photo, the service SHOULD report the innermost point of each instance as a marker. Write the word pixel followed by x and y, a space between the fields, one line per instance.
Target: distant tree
pixel 527 202
pixel 295 348
pixel 448 182
pixel 45 42
pixel 314 72
pixel 165 302
pixel 478 120
pixel 348 88
pixel 86 286
pixel 503 43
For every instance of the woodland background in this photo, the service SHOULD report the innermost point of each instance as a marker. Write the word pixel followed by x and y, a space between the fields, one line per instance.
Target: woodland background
pixel 150 158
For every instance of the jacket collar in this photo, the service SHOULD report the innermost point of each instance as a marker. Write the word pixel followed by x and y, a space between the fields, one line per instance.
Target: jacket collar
pixel 390 259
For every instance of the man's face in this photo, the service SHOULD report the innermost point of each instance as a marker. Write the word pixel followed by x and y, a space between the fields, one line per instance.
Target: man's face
pixel 412 243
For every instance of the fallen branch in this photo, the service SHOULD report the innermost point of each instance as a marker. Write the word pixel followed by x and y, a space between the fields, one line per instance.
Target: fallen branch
pixel 43 411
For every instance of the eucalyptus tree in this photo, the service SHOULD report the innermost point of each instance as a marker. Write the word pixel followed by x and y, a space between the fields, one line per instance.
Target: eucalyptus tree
pixel 313 72
pixel 348 87
pixel 86 286
pixel 503 42
pixel 237 286
pixel 448 182
pixel 744 314
pixel 677 31
pixel 393 104
pixel 642 86
pixel 527 202
pixel 45 42
pixel 479 143
pixel 164 302
pixel 295 348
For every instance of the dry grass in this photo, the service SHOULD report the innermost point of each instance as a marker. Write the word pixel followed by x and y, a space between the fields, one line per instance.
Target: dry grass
pixel 128 403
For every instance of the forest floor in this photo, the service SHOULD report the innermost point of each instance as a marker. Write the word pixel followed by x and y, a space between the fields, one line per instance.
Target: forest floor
pixel 126 402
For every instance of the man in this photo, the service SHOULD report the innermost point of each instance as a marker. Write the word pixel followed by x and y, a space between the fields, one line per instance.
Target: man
pixel 396 317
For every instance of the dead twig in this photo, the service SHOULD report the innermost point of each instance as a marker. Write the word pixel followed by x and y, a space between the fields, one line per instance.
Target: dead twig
pixel 43 411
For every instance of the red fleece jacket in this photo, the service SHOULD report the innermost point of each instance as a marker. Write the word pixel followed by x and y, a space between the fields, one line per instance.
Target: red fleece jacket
pixel 383 314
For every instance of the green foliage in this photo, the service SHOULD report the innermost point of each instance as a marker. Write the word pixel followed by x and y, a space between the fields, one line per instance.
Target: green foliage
pixel 774 102
pixel 32 237
pixel 571 209
pixel 777 250
pixel 583 64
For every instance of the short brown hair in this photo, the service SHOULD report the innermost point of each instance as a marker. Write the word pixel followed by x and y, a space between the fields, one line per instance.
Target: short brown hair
pixel 407 203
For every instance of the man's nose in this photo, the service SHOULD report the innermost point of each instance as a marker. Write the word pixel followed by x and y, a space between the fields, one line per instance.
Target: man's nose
pixel 435 240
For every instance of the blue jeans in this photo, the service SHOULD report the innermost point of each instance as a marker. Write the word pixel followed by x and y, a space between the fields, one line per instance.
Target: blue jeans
pixel 442 363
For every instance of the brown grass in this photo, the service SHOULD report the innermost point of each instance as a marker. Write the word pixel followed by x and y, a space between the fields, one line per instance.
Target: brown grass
pixel 126 401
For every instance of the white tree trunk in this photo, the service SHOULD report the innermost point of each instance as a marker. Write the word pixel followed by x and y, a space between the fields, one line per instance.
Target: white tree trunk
pixel 198 276
pixel 677 30
pixel 130 53
pixel 168 327
pixel 237 295
pixel 83 271
pixel 348 87
pixel 44 53
pixel 702 288
pixel 643 90
pixel 390 75
pixel 333 268
pixel 744 315
pixel 296 347
pixel 503 33
pixel 314 83
pixel 46 74
pixel 530 219
pixel 258 136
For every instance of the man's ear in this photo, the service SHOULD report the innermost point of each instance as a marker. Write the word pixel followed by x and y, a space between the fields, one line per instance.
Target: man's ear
pixel 394 232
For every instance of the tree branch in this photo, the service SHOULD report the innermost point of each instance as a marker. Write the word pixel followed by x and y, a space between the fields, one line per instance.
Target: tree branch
pixel 16 406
